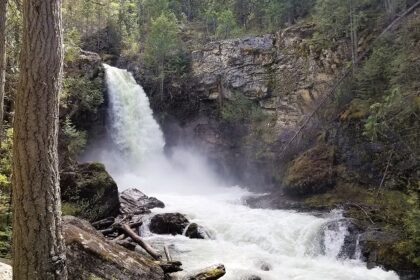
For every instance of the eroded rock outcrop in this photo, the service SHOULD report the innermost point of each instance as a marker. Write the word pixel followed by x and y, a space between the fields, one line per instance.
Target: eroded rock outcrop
pixel 91 256
pixel 134 201
pixel 281 71
pixel 281 77
pixel 89 192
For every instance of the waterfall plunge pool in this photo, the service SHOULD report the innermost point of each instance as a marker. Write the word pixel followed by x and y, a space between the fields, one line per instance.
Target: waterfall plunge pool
pixel 251 243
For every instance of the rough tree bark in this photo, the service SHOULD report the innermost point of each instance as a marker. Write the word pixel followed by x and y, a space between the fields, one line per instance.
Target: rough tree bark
pixel 38 246
pixel 3 9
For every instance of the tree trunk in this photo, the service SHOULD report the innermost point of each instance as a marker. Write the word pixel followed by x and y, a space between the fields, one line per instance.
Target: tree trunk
pixel 3 9
pixel 38 246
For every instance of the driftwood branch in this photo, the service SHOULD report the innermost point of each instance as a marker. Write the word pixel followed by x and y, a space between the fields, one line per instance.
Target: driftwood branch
pixel 167 253
pixel 170 266
pixel 119 237
pixel 152 252
pixel 116 226
pixel 126 244
pixel 385 172
pixel 363 210
pixel 104 223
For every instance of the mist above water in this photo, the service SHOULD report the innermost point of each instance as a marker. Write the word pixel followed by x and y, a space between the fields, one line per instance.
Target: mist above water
pixel 288 245
pixel 135 156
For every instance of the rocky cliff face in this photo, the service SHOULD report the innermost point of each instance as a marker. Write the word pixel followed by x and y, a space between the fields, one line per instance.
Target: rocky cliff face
pixel 281 74
pixel 280 71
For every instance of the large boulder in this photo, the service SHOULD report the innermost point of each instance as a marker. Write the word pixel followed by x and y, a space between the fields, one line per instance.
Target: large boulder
pixel 168 223
pixel 91 256
pixel 176 223
pixel 134 201
pixel 312 172
pixel 89 192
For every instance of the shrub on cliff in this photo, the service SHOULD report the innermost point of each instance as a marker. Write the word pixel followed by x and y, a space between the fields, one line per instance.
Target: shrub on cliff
pixel 241 109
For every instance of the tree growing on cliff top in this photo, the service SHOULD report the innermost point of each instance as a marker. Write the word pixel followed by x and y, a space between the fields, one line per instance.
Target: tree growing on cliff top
pixel 38 245
pixel 162 44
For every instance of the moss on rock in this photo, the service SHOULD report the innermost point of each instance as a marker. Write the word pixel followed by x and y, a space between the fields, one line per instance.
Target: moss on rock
pixel 89 192
pixel 311 172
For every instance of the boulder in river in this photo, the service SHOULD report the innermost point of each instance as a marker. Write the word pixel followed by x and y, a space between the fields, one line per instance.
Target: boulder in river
pixel 91 256
pixel 134 201
pixel 89 192
pixel 211 273
pixel 195 231
pixel 168 223
pixel 176 223
pixel 252 277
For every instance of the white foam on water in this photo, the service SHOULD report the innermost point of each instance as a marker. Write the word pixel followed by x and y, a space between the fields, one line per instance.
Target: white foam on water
pixel 243 239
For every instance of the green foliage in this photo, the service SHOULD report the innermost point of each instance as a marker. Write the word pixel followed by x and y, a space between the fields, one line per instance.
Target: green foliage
pixel 163 49
pixel 162 41
pixel 337 19
pixel 5 188
pixel 332 18
pixel 75 139
pixel 226 24
pixel 388 80
pixel 71 44
pixel 6 161
pixel 411 245
pixel 241 109
pixel 82 92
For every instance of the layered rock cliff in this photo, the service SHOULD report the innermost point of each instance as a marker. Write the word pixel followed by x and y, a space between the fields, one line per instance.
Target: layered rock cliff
pixel 280 76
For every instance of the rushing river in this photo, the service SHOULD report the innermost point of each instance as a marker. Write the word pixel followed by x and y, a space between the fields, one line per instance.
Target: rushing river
pixel 270 244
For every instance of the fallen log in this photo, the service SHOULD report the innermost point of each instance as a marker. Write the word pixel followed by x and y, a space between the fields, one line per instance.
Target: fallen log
pixel 116 226
pixel 167 253
pixel 210 273
pixel 170 267
pixel 126 244
pixel 119 238
pixel 152 252
pixel 105 223
pixel 107 231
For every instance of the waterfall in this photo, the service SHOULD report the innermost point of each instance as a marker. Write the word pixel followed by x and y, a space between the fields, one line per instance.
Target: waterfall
pixel 251 243
pixel 133 129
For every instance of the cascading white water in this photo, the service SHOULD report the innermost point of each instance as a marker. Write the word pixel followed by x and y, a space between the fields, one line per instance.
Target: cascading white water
pixel 290 245
pixel 133 128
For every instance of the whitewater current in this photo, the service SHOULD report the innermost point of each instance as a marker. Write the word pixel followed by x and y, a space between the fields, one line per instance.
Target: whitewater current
pixel 269 244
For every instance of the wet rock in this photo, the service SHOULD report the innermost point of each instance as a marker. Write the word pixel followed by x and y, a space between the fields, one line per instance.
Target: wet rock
pixel 168 223
pixel 134 201
pixel 377 247
pixel 351 241
pixel 211 273
pixel 89 192
pixel 195 231
pixel 252 277
pixel 90 255
pixel 264 266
